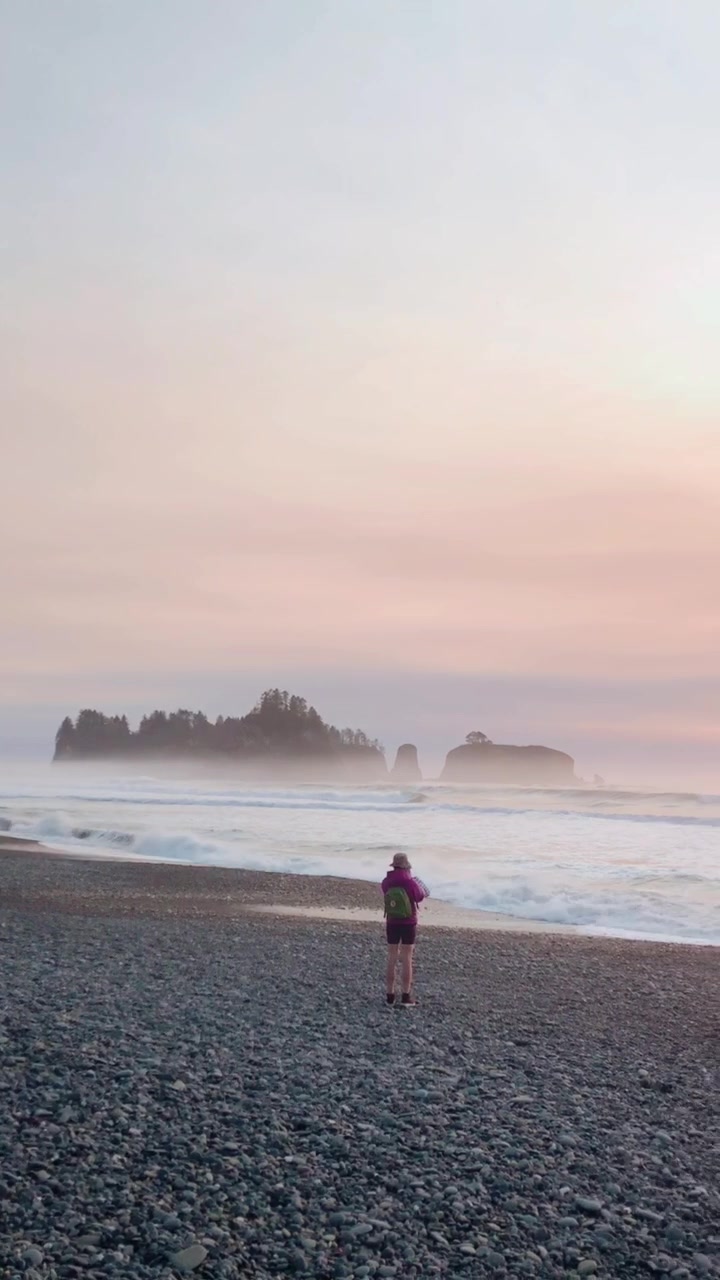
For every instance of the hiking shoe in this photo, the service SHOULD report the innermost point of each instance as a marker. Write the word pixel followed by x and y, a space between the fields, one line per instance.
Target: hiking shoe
pixel 408 1002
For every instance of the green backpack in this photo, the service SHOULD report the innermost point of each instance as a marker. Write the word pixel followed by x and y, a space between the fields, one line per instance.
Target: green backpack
pixel 397 904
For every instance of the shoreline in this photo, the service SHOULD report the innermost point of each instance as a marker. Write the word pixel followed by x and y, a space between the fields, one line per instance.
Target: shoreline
pixel 434 914
pixel 159 887
pixel 163 885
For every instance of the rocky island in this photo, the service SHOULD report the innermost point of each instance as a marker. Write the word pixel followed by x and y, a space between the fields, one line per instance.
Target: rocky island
pixel 284 738
pixel 480 760
pixel 407 765
pixel 281 737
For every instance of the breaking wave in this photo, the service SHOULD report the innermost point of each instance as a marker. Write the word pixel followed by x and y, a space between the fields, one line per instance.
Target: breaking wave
pixel 625 862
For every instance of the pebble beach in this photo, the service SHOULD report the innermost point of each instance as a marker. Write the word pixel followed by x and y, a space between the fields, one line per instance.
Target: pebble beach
pixel 190 1085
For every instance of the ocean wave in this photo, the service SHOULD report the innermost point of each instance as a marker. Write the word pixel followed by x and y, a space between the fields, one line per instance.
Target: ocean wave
pixel 604 861
pixel 234 800
pixel 671 819
pixel 672 903
pixel 680 808
pixel 170 846
pixel 407 804
pixel 640 915
pixel 102 836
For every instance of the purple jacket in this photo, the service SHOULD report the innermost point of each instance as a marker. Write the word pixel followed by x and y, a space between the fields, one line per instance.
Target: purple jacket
pixel 415 889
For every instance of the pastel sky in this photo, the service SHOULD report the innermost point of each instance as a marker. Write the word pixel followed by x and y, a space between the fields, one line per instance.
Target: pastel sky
pixel 370 349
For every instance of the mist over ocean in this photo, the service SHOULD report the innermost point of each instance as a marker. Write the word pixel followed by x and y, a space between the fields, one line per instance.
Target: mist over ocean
pixel 618 862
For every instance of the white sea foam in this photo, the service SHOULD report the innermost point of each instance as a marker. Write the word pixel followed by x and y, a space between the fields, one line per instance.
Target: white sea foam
pixel 619 862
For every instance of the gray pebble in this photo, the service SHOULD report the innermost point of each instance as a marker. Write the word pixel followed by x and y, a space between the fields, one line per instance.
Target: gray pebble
pixel 649 1215
pixel 495 1260
pixel 302 1125
pixel 588 1204
pixel 188 1259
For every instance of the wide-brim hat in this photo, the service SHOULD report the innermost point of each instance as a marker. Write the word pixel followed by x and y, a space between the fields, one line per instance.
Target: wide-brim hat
pixel 401 862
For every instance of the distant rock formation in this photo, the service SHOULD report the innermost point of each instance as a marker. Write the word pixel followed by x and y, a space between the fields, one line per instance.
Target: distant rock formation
pixel 407 765
pixel 281 737
pixel 490 762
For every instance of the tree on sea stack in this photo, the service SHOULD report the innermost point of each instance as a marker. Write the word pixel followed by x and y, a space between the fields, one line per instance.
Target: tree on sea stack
pixel 477 739
pixel 65 739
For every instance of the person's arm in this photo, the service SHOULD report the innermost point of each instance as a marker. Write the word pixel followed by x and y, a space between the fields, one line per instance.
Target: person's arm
pixel 420 891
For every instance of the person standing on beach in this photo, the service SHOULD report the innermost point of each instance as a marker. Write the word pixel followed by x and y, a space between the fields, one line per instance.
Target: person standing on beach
pixel 403 893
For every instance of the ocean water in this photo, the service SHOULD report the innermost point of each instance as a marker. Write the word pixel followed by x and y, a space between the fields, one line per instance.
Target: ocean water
pixel 625 863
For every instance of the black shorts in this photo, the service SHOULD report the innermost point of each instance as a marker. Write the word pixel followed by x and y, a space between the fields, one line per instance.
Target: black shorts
pixel 401 931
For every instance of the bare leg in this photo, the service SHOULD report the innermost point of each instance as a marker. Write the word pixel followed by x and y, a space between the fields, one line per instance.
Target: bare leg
pixel 406 969
pixel 393 949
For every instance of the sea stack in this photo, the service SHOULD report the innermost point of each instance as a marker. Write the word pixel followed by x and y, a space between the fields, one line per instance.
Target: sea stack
pixel 407 766
pixel 489 762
